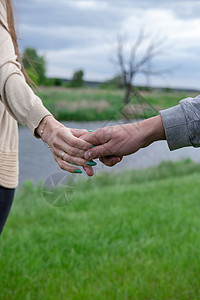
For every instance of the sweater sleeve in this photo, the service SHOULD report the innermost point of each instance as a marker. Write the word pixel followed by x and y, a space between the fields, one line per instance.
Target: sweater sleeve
pixel 17 96
pixel 182 123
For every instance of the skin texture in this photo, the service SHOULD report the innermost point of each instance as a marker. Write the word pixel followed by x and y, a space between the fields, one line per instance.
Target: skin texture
pixel 111 143
pixel 121 140
pixel 62 139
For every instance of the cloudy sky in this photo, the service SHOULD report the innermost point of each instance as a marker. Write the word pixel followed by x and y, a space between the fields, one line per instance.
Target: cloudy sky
pixel 74 34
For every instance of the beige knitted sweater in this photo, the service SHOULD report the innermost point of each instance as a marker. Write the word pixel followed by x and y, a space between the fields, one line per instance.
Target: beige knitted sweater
pixel 17 103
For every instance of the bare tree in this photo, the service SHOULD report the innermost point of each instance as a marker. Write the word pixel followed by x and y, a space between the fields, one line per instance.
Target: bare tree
pixel 131 62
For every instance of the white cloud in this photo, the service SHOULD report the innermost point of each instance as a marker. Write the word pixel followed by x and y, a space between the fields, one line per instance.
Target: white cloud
pixel 85 4
pixel 73 34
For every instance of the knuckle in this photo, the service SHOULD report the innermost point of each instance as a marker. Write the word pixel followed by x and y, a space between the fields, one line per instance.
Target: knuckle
pixel 66 157
pixel 55 143
pixel 108 133
pixel 73 143
pixel 78 162
pixel 85 131
pixel 99 132
pixel 59 132
pixel 106 149
pixel 79 153
pixel 82 162
pixel 74 152
pixel 93 152
pixel 116 149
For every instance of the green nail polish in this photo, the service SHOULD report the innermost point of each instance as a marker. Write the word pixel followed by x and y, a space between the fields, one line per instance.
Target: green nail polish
pixel 91 163
pixel 78 171
pixel 93 146
pixel 89 130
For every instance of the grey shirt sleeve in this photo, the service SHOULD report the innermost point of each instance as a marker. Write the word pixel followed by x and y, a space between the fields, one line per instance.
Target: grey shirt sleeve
pixel 182 123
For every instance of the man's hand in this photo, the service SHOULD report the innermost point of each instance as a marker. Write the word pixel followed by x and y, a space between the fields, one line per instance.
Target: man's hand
pixel 121 140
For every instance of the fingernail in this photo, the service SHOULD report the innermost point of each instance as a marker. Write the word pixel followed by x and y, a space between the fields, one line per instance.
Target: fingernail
pixel 93 146
pixel 78 171
pixel 88 154
pixel 89 130
pixel 91 163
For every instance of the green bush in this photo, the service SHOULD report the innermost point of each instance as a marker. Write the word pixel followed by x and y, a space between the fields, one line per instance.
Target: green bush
pixel 31 59
pixel 77 79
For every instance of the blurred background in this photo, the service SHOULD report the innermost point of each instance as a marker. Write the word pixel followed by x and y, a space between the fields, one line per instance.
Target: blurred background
pixel 99 63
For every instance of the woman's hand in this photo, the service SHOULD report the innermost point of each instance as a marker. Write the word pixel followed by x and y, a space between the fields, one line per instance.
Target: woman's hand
pixel 65 145
pixel 124 139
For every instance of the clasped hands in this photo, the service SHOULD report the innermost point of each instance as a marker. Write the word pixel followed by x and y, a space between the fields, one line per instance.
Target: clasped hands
pixel 78 147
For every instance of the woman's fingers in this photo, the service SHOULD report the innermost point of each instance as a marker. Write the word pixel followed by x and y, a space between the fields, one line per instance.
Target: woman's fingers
pixel 66 167
pixel 78 161
pixel 72 169
pixel 67 148
pixel 64 147
pixel 78 132
pixel 68 136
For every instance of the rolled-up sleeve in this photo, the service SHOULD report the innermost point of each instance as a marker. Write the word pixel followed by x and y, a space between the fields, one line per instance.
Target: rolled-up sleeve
pixel 18 98
pixel 182 123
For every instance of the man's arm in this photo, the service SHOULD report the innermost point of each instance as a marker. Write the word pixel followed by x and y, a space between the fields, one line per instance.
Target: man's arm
pixel 179 125
pixel 182 123
pixel 121 140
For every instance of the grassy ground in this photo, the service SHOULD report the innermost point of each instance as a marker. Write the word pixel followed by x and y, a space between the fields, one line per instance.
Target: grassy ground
pixel 98 104
pixel 128 236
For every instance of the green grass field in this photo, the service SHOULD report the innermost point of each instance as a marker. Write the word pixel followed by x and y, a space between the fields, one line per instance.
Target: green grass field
pixel 100 104
pixel 124 237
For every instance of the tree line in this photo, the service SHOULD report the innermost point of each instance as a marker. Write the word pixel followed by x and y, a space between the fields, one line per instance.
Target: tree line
pixel 131 59
pixel 35 66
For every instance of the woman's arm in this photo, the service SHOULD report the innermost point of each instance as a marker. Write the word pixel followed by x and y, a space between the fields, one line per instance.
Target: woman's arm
pixel 24 106
pixel 17 96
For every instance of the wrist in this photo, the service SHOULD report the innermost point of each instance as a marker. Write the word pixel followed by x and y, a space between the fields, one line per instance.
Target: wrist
pixel 152 130
pixel 47 125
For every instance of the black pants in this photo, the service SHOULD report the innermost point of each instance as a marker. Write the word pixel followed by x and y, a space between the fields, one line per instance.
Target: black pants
pixel 6 199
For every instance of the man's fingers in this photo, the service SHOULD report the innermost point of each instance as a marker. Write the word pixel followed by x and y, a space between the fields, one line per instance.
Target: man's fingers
pixel 89 171
pixel 110 161
pixel 91 137
pixel 99 136
pixel 98 151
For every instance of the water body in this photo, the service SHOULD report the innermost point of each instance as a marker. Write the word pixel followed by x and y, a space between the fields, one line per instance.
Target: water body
pixel 37 162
